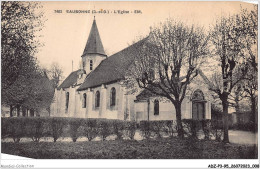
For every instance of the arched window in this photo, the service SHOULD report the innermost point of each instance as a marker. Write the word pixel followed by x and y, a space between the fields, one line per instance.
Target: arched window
pixel 97 100
pixel 67 100
pixel 113 97
pixel 91 64
pixel 198 95
pixel 84 101
pixel 156 107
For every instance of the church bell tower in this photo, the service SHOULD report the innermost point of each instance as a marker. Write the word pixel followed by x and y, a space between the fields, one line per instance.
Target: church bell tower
pixel 94 52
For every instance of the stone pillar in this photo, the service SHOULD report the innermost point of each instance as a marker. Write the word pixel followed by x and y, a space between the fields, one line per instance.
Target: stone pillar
pixel 77 104
pixel 121 103
pixel 209 110
pixel 63 112
pixel 185 114
pixel 72 98
pixel 132 108
pixel 187 107
pixel 89 103
pixel 149 109
pixel 206 107
pixel 61 105
pixel 102 108
pixel 190 105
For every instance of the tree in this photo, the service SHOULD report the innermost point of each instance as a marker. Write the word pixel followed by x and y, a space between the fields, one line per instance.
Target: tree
pixel 248 24
pixel 19 26
pixel 42 92
pixel 34 92
pixel 230 39
pixel 21 22
pixel 55 74
pixel 249 91
pixel 168 62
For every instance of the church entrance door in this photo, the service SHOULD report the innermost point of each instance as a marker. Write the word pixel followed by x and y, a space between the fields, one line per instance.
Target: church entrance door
pixel 198 112
pixel 198 105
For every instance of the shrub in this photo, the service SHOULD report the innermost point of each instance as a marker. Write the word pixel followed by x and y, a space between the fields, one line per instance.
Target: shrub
pixel 35 128
pixel 16 128
pixel 191 126
pixel 103 128
pixel 57 125
pixel 206 128
pixel 249 126
pixel 170 127
pixel 74 124
pixel 118 128
pixel 130 129
pixel 159 126
pixel 156 127
pixel 4 127
pixel 149 128
pixel 217 129
pixel 90 128
pixel 145 129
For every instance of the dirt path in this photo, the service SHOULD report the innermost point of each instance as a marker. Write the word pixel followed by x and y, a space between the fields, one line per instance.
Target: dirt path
pixel 243 137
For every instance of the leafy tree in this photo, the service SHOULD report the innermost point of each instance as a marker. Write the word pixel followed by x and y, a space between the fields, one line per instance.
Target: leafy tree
pixel 34 92
pixel 19 26
pixel 21 22
pixel 42 92
pixel 168 62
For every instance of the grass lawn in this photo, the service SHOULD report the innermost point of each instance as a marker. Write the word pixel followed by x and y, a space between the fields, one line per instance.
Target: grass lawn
pixel 165 148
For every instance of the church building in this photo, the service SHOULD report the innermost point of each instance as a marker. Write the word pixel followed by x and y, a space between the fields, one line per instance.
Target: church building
pixel 97 90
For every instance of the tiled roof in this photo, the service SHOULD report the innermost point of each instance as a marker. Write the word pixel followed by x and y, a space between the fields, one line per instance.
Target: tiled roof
pixel 70 80
pixel 145 94
pixel 112 68
pixel 94 44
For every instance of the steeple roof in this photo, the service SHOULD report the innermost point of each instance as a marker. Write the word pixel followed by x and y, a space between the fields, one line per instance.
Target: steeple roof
pixel 113 68
pixel 94 44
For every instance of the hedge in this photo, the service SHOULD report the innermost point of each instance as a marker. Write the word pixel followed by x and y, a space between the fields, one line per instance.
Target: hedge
pixel 90 129
pixel 191 127
pixel 56 127
pixel 156 128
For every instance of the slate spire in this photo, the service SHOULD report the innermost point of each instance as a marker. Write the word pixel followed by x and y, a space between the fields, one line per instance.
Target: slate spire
pixel 94 44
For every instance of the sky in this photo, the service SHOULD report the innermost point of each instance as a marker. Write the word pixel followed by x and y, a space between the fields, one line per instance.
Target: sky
pixel 65 34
